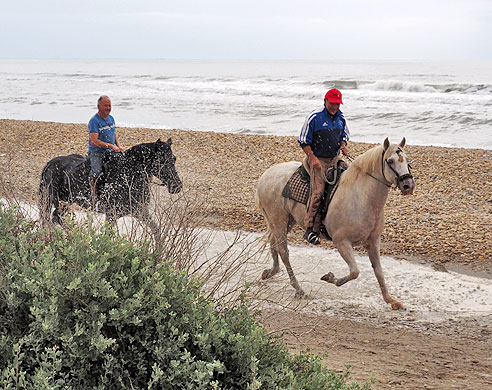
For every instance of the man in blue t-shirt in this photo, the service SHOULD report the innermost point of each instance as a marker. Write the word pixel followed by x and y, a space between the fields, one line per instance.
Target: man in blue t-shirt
pixel 323 135
pixel 102 139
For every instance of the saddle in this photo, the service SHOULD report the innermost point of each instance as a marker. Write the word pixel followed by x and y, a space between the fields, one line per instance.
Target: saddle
pixel 298 188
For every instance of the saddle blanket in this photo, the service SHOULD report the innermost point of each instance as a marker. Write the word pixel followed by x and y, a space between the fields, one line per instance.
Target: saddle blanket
pixel 297 188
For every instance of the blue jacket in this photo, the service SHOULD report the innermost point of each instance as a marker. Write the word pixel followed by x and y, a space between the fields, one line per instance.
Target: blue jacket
pixel 324 132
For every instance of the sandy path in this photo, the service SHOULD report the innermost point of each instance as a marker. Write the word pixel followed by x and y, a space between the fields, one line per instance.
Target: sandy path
pixel 429 295
pixel 442 341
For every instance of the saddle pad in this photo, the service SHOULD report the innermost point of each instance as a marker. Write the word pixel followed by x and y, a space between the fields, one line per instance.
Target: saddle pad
pixel 297 188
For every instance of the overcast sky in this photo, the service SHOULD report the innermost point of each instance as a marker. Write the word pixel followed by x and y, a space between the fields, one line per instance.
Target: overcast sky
pixel 252 29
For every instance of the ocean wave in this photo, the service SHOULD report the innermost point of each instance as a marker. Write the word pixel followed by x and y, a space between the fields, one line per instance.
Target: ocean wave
pixel 343 84
pixel 396 85
pixel 482 89
pixel 409 86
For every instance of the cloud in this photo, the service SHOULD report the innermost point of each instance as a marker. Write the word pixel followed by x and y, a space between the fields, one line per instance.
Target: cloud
pixel 353 29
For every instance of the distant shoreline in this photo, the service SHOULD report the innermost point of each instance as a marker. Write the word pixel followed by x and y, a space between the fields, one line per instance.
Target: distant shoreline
pixel 447 221
pixel 234 133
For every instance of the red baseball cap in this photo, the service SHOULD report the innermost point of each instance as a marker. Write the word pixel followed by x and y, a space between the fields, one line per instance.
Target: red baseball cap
pixel 334 96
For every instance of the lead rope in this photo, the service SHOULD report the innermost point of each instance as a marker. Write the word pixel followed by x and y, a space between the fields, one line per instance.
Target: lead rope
pixel 335 172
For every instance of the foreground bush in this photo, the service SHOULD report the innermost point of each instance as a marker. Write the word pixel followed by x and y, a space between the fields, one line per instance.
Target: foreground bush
pixel 81 309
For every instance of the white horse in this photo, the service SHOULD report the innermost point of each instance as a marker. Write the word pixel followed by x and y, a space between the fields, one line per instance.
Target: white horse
pixel 355 215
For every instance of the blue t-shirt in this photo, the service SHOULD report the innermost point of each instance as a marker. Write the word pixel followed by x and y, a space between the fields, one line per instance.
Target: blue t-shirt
pixel 106 129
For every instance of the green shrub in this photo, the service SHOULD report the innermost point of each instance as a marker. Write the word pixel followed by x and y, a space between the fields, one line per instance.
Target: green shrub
pixel 81 309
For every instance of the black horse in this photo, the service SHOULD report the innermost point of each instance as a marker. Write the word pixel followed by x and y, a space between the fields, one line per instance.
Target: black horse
pixel 123 188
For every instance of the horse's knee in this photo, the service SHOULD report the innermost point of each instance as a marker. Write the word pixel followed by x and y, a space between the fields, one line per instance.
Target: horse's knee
pixel 283 251
pixel 354 274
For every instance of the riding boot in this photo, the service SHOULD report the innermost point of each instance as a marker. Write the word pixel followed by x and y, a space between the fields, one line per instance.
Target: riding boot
pixel 92 182
pixel 317 223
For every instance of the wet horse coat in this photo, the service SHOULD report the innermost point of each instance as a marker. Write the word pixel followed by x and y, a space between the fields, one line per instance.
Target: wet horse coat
pixel 126 190
pixel 355 215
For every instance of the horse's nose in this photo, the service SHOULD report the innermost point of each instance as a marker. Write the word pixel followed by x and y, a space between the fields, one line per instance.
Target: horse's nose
pixel 408 189
pixel 407 186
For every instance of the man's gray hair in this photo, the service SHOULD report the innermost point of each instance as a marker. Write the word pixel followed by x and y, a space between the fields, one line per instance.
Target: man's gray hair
pixel 102 97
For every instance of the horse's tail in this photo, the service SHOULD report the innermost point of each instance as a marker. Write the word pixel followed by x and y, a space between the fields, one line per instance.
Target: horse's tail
pixel 45 194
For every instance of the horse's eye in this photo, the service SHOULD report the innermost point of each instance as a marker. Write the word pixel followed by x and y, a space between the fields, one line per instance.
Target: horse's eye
pixel 389 161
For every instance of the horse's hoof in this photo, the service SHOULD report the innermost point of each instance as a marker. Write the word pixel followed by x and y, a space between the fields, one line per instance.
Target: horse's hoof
pixel 397 306
pixel 329 277
pixel 266 274
pixel 300 294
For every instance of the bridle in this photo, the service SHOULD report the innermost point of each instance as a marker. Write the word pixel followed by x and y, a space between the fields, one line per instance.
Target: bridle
pixel 399 178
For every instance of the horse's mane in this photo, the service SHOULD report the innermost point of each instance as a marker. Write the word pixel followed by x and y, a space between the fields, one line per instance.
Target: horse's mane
pixel 136 156
pixel 369 161
pixel 139 147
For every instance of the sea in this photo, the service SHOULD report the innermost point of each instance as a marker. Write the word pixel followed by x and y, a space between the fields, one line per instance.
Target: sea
pixel 428 103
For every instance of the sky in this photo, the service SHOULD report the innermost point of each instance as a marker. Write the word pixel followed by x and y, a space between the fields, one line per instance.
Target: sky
pixel 412 30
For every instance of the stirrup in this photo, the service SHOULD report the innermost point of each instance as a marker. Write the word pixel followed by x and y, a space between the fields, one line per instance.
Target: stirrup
pixel 312 237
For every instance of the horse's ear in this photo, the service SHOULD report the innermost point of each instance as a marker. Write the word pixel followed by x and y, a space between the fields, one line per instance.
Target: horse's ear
pixel 386 143
pixel 402 143
pixel 169 142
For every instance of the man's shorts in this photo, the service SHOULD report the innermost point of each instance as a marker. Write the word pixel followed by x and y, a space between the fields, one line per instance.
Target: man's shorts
pixel 96 160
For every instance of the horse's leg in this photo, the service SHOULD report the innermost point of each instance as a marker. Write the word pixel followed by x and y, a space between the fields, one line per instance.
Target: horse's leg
pixel 278 246
pixel 154 227
pixel 284 254
pixel 345 249
pixel 268 273
pixel 373 252
pixel 59 212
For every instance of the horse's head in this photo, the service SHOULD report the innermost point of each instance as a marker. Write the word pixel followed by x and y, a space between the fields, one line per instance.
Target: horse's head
pixel 396 168
pixel 163 166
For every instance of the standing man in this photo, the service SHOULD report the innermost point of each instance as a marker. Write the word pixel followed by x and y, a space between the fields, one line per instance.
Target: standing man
pixel 102 139
pixel 323 135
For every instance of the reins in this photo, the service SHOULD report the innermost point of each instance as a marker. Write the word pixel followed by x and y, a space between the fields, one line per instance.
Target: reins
pixel 399 177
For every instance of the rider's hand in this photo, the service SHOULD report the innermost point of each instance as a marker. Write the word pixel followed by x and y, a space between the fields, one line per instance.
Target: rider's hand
pixel 344 149
pixel 116 148
pixel 315 163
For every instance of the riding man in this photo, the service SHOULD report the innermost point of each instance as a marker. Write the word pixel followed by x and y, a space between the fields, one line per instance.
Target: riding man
pixel 102 139
pixel 323 135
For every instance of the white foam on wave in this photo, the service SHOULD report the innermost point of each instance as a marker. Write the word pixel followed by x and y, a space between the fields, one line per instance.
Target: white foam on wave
pixel 255 97
pixel 396 85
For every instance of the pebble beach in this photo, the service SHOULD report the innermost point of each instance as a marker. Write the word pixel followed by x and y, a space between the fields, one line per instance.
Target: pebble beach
pixel 447 222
